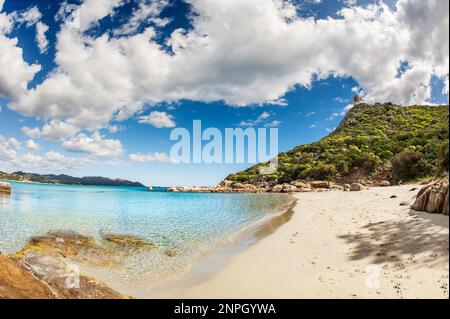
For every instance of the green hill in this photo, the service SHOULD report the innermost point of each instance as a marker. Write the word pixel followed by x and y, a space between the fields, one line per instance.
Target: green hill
pixel 373 142
pixel 67 180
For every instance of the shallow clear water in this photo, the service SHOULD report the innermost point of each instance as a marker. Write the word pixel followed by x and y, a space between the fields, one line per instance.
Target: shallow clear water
pixel 191 223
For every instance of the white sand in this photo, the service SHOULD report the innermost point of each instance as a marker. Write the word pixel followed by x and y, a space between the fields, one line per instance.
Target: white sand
pixel 333 247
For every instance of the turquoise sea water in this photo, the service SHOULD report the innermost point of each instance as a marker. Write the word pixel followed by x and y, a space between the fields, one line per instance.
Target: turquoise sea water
pixel 191 223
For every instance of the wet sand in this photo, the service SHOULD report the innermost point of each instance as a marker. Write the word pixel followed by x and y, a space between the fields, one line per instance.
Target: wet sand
pixel 336 245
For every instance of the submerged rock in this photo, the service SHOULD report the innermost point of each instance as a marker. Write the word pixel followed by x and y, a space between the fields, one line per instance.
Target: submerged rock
pixel 49 266
pixel 5 188
pixel 73 246
pixel 433 198
pixel 129 242
pixel 110 252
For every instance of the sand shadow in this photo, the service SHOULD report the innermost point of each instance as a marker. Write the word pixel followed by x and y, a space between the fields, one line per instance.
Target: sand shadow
pixel 394 241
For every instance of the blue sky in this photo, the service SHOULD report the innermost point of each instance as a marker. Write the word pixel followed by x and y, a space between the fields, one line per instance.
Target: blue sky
pixel 232 80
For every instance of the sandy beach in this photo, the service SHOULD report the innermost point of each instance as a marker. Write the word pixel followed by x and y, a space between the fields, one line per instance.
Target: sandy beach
pixel 336 245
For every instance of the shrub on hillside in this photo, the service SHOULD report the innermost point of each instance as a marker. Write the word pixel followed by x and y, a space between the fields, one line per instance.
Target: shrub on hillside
pixel 367 162
pixel 409 165
pixel 443 160
pixel 323 172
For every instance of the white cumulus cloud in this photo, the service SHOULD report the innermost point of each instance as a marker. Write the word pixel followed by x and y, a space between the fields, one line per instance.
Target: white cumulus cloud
pixel 31 132
pixel 32 146
pixel 94 144
pixel 8 148
pixel 41 39
pixel 158 119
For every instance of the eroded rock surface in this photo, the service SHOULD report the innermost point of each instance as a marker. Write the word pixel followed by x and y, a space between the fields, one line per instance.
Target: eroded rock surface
pixel 73 246
pixel 34 275
pixel 433 198
pixel 49 265
pixel 17 282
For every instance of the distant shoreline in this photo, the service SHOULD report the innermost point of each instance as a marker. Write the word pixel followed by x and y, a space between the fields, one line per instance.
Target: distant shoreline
pixel 61 184
pixel 63 179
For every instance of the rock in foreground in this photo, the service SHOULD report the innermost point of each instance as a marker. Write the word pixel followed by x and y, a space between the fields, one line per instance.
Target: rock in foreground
pixel 5 188
pixel 49 266
pixel 433 198
pixel 17 282
pixel 38 276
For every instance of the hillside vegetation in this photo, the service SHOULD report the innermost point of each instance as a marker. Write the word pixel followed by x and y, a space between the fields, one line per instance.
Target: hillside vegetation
pixel 67 180
pixel 381 142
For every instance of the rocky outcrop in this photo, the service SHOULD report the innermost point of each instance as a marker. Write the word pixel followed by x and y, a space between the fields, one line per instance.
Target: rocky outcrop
pixel 284 188
pixel 433 198
pixel 5 188
pixel 221 188
pixel 35 275
pixel 243 187
pixel 16 282
pixel 384 184
pixel 298 186
pixel 111 251
pixel 70 245
pixel 49 265
pixel 319 184
pixel 356 187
